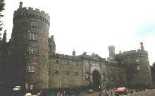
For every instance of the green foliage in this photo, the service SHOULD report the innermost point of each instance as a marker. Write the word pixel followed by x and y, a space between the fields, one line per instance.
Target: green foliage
pixel 1 13
pixel 2 5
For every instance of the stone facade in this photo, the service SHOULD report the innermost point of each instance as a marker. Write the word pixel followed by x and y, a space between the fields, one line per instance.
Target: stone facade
pixel 153 76
pixel 33 63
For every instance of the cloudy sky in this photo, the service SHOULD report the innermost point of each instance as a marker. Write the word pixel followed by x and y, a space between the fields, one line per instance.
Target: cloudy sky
pixel 93 25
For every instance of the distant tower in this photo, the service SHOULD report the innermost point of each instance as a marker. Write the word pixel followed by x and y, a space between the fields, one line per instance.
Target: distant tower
pixel 73 53
pixel 29 47
pixel 111 51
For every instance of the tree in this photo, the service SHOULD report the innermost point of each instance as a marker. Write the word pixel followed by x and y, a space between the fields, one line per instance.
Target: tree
pixel 1 13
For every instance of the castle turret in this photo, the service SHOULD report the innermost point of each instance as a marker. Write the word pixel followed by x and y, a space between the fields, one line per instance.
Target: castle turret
pixel 52 46
pixel 137 67
pixel 30 51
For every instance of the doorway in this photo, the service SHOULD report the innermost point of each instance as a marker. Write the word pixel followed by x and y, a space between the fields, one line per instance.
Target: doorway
pixel 96 78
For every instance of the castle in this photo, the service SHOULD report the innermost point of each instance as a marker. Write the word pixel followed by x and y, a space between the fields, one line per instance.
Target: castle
pixel 30 60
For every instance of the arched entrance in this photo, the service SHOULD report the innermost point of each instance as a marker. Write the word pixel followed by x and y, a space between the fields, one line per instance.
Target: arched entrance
pixel 96 78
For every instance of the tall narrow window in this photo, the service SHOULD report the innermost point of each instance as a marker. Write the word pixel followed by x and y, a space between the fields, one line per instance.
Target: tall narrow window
pixel 30 68
pixel 32 35
pixel 34 25
pixel 33 51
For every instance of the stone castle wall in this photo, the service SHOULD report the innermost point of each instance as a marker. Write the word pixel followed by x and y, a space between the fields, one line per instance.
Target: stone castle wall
pixel 75 71
pixel 65 72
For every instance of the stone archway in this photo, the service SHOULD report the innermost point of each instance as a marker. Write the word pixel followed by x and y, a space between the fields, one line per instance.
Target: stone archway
pixel 96 79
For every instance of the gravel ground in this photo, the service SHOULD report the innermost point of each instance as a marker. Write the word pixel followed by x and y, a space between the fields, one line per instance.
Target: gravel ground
pixel 144 93
pixel 150 92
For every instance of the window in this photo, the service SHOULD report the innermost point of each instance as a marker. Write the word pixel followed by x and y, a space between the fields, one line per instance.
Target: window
pixel 26 85
pixel 33 51
pixel 31 86
pixel 30 68
pixel 32 35
pixel 138 67
pixel 34 25
pixel 137 60
pixel 56 72
pixel 87 77
pixel 57 61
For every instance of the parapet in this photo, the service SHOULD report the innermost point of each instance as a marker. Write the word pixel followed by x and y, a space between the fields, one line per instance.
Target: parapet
pixel 133 54
pixel 34 13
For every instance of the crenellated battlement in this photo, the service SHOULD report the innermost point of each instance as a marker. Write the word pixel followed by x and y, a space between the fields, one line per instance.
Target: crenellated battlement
pixel 133 53
pixel 32 13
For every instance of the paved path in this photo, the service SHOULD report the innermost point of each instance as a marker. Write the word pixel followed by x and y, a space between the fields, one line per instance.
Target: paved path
pixel 89 94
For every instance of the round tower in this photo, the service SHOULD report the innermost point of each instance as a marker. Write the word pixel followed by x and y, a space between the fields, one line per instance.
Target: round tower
pixel 52 46
pixel 30 39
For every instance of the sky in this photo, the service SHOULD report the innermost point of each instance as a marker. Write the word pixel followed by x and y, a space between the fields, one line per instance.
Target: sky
pixel 92 25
